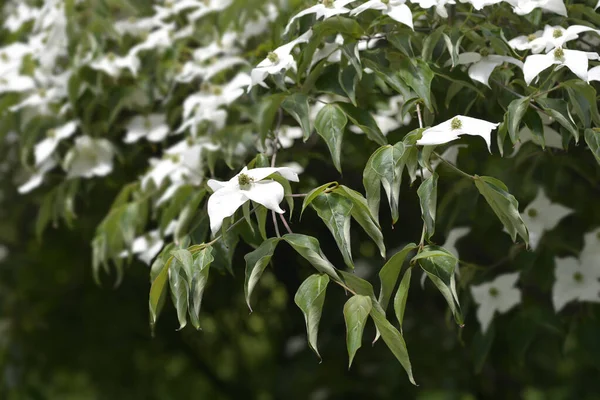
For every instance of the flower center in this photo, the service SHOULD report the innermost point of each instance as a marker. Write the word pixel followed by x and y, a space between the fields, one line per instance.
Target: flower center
pixel 42 93
pixel 557 33
pixel 531 37
pixel 385 1
pixel 532 212
pixel 217 91
pixel 111 56
pixel 484 52
pixel 4 56
pixel 245 180
pixel 273 57
pixel 147 123
pixel 189 140
pixel 329 3
pixel 559 53
pixel 51 133
pixel 175 158
pixel 494 292
pixel 455 124
pixel 578 277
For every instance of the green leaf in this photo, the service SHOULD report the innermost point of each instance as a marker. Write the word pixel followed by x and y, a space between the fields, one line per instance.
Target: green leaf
pixel 431 42
pixel 583 97
pixel 504 205
pixel 309 248
pixel 384 168
pixel 261 217
pixel 359 285
pixel 364 120
pixel 314 193
pixel 516 111
pixel 401 296
pixel 198 280
pixel 356 311
pixel 394 340
pixel 592 138
pixel 534 122
pixel 439 264
pixel 187 216
pixel 297 106
pixel 179 291
pixel 310 298
pixel 335 211
pixel 185 259
pixel 330 123
pixel 417 74
pixel 388 275
pixel 338 24
pixel 265 114
pixel 559 110
pixel 428 198
pixel 348 79
pixel 256 262
pixel 362 214
pixel 158 293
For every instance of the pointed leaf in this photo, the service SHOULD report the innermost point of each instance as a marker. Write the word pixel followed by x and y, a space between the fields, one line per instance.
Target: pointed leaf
pixel 348 79
pixel 365 121
pixel 314 193
pixel 592 138
pixel 388 275
pixel 401 296
pixel 330 124
pixel 504 205
pixel 356 311
pixel 583 98
pixel 198 279
pixel 297 106
pixel 310 298
pixel 158 292
pixel 256 262
pixel 516 111
pixel 559 110
pixel 309 248
pixel 335 211
pixel 179 291
pixel 428 198
pixel 417 74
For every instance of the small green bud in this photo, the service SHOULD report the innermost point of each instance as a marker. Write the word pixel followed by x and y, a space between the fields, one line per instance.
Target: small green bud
pixel 111 56
pixel 559 53
pixel 217 90
pixel 273 57
pixel 244 180
pixel 578 277
pixel 42 93
pixel 147 123
pixel 328 3
pixel 531 38
pixel 532 212
pixel 494 292
pixel 385 1
pixel 557 33
pixel 51 133
pixel 455 124
pixel 4 57
pixel 484 52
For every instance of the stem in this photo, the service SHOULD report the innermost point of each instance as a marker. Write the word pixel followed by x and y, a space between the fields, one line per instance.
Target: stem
pixel 236 223
pixel 454 167
pixel 419 115
pixel 424 229
pixel 285 223
pixel 273 214
pixel 297 195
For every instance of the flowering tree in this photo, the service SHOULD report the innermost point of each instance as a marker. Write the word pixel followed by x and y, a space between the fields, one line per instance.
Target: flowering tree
pixel 249 115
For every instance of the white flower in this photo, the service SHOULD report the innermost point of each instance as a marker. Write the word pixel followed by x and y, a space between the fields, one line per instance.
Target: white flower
pixel 440 6
pixel 285 138
pixel 20 15
pixel 16 83
pixel 483 66
pixel 11 57
pixel 542 215
pixel 498 295
pixel 590 255
pixel 137 27
pixel 294 166
pixel 552 138
pixel 594 74
pixel 147 246
pixel 209 6
pixel 157 40
pixel 460 125
pixel 557 36
pixel 278 60
pixel 249 184
pixel 153 127
pixel 479 4
pixel 46 147
pixel 574 281
pixel 325 10
pixel 174 7
pixel 37 177
pixel 575 60
pixel 524 7
pixel 387 117
pixel 526 42
pixel 112 64
pixel 395 9
pixel 90 157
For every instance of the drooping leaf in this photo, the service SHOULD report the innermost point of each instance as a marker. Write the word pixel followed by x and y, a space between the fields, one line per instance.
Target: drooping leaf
pixel 583 97
pixel 559 110
pixel 384 168
pixel 534 122
pixel 310 298
pixel 356 311
pixel 388 275
pixel 401 296
pixel 417 74
pixel 180 291
pixel 310 196
pixel 516 111
pixel 297 106
pixel 592 138
pixel 198 281
pixel 330 123
pixel 335 211
pixel 256 262
pixel 309 248
pixel 186 260
pixel 365 121
pixel 348 79
pixel 428 198
pixel 362 214
pixel 265 114
pixel 158 293
pixel 504 205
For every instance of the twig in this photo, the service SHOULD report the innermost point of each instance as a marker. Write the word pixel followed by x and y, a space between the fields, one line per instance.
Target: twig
pixel 419 115
pixel 274 215
pixel 454 167
pixel 287 227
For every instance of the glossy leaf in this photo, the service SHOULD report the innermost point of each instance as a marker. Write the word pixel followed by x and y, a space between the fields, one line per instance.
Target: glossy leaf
pixel 309 248
pixel 417 74
pixel 592 138
pixel 330 124
pixel 401 296
pixel 583 97
pixel 516 110
pixel 388 275
pixel 256 262
pixel 297 106
pixel 180 291
pixel 559 110
pixel 310 298
pixel 158 292
pixel 364 120
pixel 198 280
pixel 310 196
pixel 428 198
pixel 356 311
pixel 335 211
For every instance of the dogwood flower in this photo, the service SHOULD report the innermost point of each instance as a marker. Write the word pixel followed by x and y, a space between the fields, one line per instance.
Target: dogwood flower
pixel 483 65
pixel 499 295
pixel 387 117
pixel 153 127
pixel 137 26
pixel 594 74
pixel 325 9
pixel 20 16
pixel 527 42
pixel 557 36
pixel 90 157
pixel 395 9
pixel 479 4
pixel 440 5
pixel 208 6
pixel 249 184
pixel 147 246
pixel 112 64
pixel 46 147
pixel 16 83
pixel 590 255
pixel 278 60
pixel 524 7
pixel 575 60
pixel 542 215
pixel 574 281
pixel 37 177
pixel 452 129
